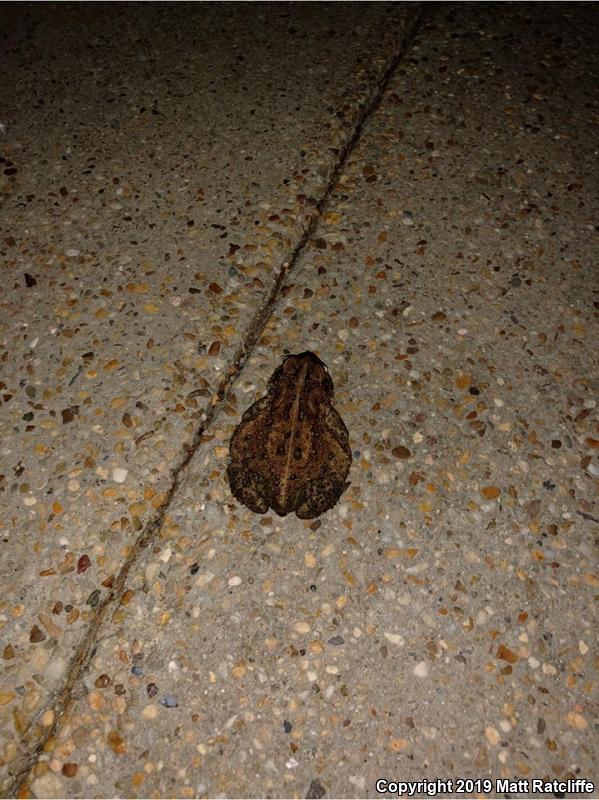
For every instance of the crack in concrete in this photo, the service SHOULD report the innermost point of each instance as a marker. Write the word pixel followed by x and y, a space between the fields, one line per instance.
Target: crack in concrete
pixel 65 697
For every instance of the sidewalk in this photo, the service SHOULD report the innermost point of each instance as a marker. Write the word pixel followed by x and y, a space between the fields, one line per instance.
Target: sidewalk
pixel 440 621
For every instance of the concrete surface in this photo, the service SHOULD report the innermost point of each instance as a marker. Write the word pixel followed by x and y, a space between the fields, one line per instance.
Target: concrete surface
pixel 440 621
pixel 161 163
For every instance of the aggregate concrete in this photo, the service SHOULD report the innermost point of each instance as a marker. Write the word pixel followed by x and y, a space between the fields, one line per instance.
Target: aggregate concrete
pixel 160 163
pixel 440 621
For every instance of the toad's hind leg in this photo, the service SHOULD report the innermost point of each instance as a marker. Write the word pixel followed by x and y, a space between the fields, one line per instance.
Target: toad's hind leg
pixel 247 488
pixel 321 494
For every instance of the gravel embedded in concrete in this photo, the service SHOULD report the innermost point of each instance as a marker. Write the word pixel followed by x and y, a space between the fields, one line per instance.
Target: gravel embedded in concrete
pixel 160 163
pixel 440 620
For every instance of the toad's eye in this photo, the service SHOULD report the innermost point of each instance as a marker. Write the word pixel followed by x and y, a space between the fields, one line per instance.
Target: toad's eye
pixel 318 374
pixel 290 366
pixel 314 401
pixel 297 453
pixel 279 397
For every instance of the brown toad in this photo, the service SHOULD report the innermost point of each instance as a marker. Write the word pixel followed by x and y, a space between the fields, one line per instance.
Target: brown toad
pixel 290 452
